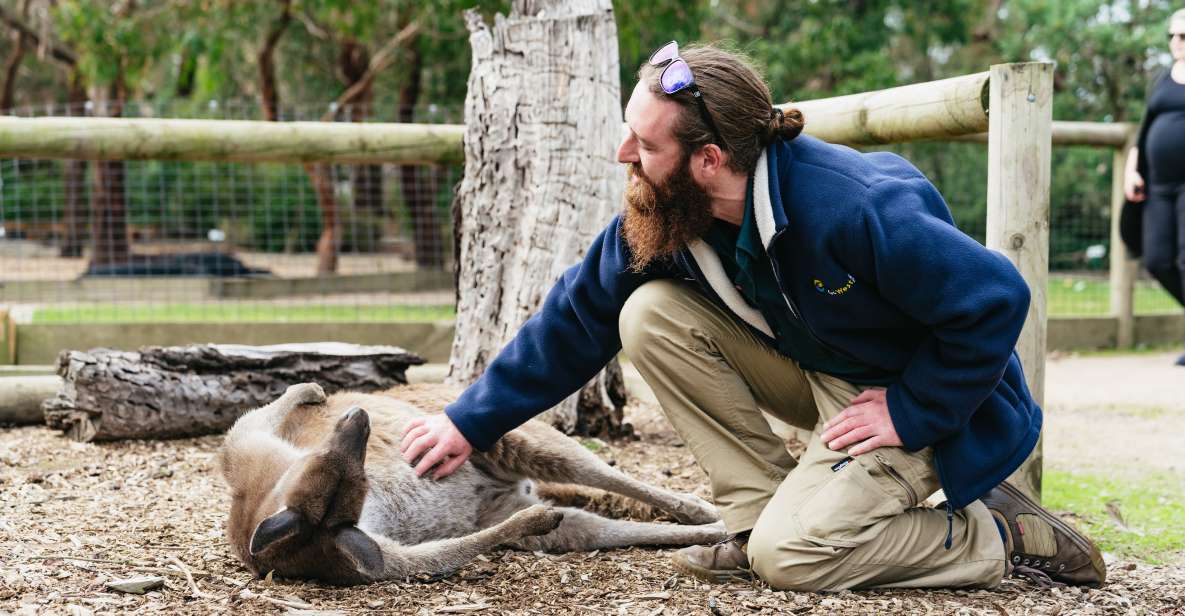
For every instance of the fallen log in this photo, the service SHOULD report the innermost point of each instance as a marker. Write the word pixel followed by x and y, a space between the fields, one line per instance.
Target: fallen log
pixel 168 392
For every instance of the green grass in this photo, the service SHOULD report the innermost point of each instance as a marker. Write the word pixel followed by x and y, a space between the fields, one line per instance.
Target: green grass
pixel 1068 296
pixel 1153 508
pixel 241 313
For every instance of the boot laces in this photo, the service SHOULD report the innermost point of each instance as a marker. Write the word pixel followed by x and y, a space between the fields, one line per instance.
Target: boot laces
pixel 1036 576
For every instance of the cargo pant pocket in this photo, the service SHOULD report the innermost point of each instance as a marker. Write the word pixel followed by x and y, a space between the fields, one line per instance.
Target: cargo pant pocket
pixel 843 512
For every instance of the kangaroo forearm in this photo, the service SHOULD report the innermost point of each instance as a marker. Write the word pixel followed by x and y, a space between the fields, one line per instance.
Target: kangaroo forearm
pixel 437 558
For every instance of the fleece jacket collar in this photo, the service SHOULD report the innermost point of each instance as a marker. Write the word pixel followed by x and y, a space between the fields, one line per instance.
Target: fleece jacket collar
pixel 767 214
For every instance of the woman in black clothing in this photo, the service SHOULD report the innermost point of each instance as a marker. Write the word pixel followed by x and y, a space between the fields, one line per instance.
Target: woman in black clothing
pixel 1156 171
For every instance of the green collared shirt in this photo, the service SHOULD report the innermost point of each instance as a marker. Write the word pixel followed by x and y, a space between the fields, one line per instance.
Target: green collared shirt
pixel 748 267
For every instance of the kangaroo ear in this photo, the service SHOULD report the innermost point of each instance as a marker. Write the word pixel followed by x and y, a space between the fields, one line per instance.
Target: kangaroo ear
pixel 361 550
pixel 282 525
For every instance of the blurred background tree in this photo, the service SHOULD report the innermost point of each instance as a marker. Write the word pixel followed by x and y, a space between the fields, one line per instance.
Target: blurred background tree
pixel 287 59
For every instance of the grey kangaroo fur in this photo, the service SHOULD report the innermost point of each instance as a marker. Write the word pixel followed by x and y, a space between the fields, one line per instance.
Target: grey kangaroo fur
pixel 320 490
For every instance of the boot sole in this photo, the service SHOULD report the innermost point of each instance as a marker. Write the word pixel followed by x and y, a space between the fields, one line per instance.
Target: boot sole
pixel 714 576
pixel 1096 558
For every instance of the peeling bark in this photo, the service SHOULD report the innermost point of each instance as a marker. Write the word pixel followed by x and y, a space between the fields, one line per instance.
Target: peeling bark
pixel 543 120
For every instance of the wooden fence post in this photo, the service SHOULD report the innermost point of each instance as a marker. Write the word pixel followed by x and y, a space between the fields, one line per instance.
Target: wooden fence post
pixel 1020 125
pixel 1123 269
pixel 7 338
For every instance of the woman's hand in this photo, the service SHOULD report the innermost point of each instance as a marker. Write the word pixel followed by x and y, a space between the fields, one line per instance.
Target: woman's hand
pixel 1133 186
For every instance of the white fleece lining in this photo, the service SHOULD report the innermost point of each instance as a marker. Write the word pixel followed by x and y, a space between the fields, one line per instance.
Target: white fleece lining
pixel 710 265
pixel 762 208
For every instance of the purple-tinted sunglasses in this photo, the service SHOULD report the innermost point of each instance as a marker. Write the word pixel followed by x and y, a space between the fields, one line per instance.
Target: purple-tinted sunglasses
pixel 677 76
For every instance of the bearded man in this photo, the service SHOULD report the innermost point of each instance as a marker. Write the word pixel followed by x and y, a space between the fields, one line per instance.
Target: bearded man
pixel 755 269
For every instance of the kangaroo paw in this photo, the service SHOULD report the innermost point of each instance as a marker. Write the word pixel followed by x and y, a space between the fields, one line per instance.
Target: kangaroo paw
pixel 535 520
pixel 305 393
pixel 695 510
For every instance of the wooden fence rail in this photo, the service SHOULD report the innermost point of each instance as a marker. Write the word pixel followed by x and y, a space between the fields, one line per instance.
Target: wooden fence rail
pixel 1020 133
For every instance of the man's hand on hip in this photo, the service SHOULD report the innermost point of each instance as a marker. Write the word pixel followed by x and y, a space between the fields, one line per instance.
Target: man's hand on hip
pixel 435 441
pixel 865 422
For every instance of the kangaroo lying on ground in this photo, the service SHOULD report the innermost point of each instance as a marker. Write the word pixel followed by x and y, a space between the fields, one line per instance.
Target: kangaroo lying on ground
pixel 320 490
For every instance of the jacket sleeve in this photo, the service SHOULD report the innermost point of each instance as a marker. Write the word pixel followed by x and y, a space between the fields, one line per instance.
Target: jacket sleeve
pixel 557 350
pixel 972 300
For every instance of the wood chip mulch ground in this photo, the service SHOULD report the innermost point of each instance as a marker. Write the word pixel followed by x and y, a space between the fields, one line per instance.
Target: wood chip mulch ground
pixel 76 517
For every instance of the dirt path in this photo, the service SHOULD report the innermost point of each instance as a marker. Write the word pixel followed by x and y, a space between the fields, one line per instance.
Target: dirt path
pixel 1122 413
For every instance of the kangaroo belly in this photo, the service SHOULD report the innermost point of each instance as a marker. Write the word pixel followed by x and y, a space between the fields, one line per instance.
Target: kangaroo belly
pixel 412 510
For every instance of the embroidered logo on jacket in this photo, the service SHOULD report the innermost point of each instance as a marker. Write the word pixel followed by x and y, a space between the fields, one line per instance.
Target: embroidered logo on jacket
pixel 822 288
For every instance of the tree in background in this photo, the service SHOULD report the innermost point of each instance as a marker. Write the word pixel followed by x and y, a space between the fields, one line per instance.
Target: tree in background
pixel 541 181
pixel 186 52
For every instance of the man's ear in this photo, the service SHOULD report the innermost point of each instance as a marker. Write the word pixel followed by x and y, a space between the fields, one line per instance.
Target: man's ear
pixel 708 161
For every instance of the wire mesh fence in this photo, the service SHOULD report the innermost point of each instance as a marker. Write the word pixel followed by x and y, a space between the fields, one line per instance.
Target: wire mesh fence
pixel 159 241
pixel 135 241
pixel 1080 221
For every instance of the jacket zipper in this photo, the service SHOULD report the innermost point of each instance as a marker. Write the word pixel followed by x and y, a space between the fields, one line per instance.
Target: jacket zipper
pixel 790 304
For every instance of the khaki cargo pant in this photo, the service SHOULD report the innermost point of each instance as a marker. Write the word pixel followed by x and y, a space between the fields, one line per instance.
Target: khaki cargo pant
pixel 813 528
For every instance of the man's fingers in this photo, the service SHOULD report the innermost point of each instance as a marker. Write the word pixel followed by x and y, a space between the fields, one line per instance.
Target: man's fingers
pixel 840 418
pixel 412 433
pixel 839 429
pixel 449 466
pixel 419 447
pixel 852 436
pixel 430 459
pixel 866 446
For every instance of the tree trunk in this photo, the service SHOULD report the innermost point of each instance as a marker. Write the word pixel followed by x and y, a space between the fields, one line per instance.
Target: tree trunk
pixel 165 392
pixel 108 195
pixel 321 176
pixel 73 179
pixel 418 185
pixel 367 180
pixel 269 94
pixel 543 119
pixel 13 64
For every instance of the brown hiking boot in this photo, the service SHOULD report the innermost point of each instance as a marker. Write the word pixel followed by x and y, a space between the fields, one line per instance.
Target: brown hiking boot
pixel 1038 542
pixel 723 562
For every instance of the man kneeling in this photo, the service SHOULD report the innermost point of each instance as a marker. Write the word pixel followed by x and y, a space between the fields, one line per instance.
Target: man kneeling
pixel 754 268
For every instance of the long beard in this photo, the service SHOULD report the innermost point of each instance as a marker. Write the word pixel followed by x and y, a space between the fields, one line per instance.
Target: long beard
pixel 660 219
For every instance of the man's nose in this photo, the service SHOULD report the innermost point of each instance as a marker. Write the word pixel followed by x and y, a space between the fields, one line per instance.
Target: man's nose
pixel 627 152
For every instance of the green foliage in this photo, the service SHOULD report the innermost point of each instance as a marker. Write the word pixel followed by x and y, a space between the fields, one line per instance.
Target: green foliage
pixel 282 219
pixel 1152 510
pixel 114 43
pixel 181 54
pixel 30 191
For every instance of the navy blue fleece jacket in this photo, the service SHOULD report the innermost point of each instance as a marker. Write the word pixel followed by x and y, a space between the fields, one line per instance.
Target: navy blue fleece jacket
pixel 921 300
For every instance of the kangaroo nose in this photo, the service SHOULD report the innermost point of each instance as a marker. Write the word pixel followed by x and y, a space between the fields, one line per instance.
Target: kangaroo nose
pixel 356 413
pixel 352 431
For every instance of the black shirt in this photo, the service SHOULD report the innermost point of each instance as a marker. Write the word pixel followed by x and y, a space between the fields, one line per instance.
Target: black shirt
pixel 1165 147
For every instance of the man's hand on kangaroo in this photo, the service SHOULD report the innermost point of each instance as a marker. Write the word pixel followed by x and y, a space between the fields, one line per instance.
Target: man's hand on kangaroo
pixel 436 442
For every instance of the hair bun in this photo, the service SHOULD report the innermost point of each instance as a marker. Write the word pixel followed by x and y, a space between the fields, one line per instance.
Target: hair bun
pixel 784 125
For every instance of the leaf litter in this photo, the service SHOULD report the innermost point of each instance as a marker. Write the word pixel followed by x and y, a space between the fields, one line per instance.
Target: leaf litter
pixel 77 518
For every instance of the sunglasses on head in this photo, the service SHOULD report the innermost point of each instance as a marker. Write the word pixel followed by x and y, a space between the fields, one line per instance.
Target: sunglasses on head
pixel 677 76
